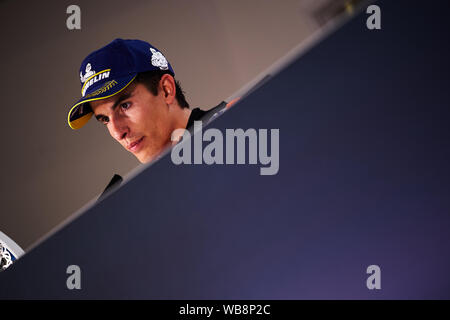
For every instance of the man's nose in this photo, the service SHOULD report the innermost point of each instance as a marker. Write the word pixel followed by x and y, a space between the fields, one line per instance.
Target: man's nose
pixel 118 129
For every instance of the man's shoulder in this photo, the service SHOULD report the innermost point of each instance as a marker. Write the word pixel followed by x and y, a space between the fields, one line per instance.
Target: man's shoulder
pixel 207 116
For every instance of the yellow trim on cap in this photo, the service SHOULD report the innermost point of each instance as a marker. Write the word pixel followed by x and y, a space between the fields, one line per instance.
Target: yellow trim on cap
pixel 75 124
pixel 86 81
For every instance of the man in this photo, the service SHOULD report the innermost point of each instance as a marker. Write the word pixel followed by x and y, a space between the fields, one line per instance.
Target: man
pixel 130 87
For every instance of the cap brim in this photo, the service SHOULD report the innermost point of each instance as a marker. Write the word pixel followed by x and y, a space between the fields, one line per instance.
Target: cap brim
pixel 80 113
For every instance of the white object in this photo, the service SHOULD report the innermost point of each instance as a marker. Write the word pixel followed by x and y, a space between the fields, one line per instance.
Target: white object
pixel 9 251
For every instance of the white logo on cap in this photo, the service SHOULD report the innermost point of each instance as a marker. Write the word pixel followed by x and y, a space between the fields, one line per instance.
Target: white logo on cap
pixel 88 73
pixel 158 60
pixel 95 77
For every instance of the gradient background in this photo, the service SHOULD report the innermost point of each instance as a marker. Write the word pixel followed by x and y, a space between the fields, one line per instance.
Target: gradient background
pixel 50 171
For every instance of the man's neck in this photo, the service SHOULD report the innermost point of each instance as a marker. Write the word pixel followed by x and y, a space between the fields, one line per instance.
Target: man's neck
pixel 183 118
pixel 181 121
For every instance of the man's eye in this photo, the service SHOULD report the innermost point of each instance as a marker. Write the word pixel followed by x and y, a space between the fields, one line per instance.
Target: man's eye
pixel 125 105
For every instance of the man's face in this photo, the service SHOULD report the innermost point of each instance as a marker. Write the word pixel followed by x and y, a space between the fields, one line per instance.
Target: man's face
pixel 138 120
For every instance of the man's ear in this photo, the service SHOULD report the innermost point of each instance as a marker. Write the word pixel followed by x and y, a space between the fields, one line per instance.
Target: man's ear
pixel 168 88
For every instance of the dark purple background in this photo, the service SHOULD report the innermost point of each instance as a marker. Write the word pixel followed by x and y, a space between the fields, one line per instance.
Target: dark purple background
pixel 363 180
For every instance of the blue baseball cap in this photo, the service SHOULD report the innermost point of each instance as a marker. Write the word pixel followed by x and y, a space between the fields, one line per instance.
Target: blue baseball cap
pixel 111 69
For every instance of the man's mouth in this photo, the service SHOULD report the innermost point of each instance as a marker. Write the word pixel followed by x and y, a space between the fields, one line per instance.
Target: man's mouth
pixel 135 146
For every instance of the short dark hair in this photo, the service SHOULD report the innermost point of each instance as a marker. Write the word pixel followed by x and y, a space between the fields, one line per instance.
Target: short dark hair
pixel 151 81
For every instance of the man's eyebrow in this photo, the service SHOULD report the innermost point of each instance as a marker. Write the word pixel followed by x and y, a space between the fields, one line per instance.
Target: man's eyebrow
pixel 121 98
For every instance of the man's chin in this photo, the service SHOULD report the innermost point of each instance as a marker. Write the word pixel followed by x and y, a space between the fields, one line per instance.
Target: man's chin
pixel 145 156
